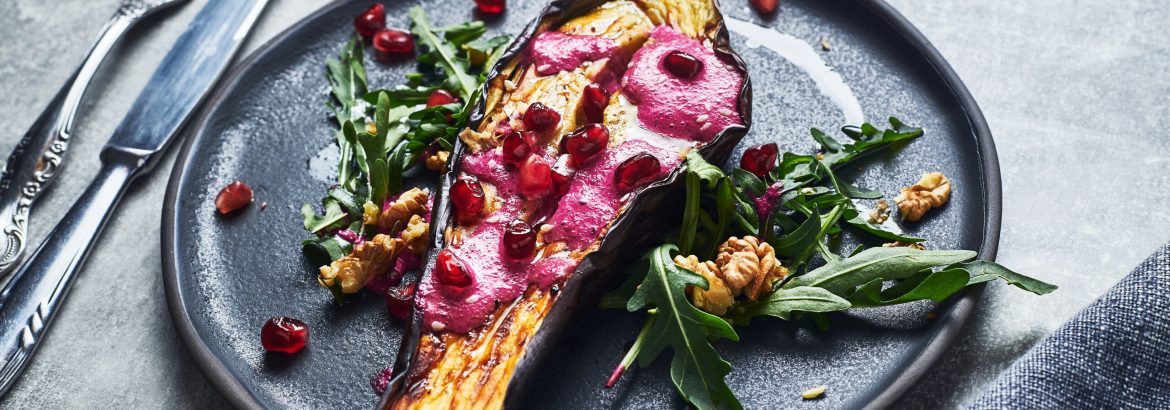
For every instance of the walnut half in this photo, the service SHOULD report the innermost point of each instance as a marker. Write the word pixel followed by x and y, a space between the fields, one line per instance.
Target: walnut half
pixel 932 191
pixel 749 266
pixel 370 259
pixel 717 298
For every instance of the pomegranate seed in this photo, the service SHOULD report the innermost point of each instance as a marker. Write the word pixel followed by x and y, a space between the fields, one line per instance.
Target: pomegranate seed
pixel 284 335
pixel 562 175
pixel 451 273
pixel 491 6
pixel 392 43
pixel 586 142
pixel 468 199
pixel 765 6
pixel 682 65
pixel 381 381
pixel 370 21
pixel 400 299
pixel 519 240
pixel 593 103
pixel 233 197
pixel 441 97
pixel 635 172
pixel 517 146
pixel 760 160
pixel 535 176
pixel 541 118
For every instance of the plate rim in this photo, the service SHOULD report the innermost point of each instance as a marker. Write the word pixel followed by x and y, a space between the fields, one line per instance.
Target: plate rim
pixel 887 391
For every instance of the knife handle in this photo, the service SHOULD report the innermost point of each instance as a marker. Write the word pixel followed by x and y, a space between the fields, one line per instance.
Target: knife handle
pixel 32 299
pixel 41 153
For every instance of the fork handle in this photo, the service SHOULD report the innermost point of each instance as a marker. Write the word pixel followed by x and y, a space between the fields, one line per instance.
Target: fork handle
pixel 32 299
pixel 38 156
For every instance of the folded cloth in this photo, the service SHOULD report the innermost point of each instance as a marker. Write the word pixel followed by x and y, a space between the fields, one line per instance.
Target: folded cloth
pixel 1113 354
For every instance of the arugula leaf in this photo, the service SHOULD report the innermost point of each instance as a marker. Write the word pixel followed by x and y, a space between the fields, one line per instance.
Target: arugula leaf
pixel 696 368
pixel 442 54
pixel 842 276
pixel 853 217
pixel 985 271
pixel 323 251
pixel 796 171
pixel 334 216
pixel 783 302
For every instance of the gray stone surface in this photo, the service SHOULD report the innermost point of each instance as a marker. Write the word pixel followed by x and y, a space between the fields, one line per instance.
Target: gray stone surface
pixel 1075 91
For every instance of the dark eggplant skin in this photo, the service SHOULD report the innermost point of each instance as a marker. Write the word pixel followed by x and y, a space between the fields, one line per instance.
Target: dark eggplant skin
pixel 638 228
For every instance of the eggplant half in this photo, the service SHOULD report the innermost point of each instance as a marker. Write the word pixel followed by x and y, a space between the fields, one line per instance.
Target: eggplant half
pixel 572 166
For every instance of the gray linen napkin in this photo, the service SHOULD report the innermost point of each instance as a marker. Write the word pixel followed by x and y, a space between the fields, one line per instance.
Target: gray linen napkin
pixel 1113 354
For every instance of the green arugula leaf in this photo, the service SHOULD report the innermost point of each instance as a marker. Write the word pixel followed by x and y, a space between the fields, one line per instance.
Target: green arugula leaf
pixel 334 216
pixel 842 276
pixel 853 217
pixel 442 54
pixel 699 166
pixel 782 303
pixel 323 251
pixel 696 368
pixel 985 271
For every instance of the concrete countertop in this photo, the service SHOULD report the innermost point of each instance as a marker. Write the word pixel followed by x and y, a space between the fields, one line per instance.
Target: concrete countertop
pixel 1076 93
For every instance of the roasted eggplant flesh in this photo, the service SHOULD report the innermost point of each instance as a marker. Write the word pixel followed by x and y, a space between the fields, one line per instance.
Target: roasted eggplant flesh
pixel 571 160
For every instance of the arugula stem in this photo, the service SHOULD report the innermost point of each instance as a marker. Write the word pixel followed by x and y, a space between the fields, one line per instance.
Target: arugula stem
pixel 632 354
pixel 828 222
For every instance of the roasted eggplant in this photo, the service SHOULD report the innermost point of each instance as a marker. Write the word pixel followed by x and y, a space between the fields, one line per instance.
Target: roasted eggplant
pixel 572 166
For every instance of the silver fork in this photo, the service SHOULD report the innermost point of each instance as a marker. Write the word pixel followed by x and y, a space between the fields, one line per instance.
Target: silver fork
pixel 41 153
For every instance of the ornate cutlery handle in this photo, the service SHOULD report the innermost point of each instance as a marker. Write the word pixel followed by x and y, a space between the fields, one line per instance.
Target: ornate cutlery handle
pixel 32 299
pixel 41 153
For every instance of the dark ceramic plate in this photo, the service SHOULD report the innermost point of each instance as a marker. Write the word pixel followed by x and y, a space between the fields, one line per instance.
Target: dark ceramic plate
pixel 267 125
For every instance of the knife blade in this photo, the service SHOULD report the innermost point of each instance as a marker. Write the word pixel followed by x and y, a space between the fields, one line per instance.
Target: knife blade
pixel 31 299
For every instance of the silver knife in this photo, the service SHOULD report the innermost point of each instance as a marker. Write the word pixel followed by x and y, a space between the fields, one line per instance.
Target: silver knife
pixel 41 153
pixel 31 300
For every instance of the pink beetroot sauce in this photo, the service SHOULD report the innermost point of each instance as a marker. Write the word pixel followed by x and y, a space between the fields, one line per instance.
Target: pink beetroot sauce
pixel 553 52
pixel 592 201
pixel 498 279
pixel 693 109
pixel 666 105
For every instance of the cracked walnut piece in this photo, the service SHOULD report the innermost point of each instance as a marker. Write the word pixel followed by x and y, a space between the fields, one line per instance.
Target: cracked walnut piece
pixel 717 298
pixel 412 202
pixel 369 259
pixel 437 161
pixel 415 234
pixel 749 267
pixel 932 191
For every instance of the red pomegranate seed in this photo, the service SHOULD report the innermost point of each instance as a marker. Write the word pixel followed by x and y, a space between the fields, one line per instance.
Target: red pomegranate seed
pixel 451 272
pixel 441 97
pixel 593 102
pixel 392 43
pixel 765 6
pixel 541 118
pixel 635 172
pixel 284 335
pixel 467 198
pixel 491 6
pixel 400 299
pixel 517 146
pixel 233 197
pixel 586 142
pixel 535 176
pixel 562 175
pixel 370 21
pixel 519 240
pixel 381 381
pixel 682 65
pixel 760 160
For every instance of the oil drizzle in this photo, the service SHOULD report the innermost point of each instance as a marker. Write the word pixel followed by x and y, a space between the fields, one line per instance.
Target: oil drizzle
pixel 802 54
